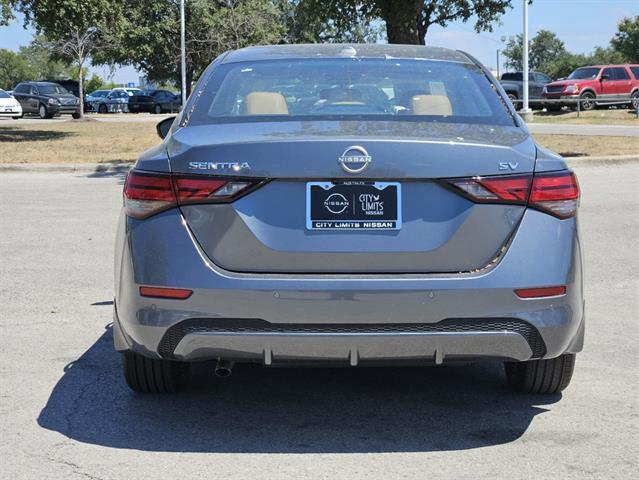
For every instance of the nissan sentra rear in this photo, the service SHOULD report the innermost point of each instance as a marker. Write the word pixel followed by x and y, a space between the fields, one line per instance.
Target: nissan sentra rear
pixel 348 205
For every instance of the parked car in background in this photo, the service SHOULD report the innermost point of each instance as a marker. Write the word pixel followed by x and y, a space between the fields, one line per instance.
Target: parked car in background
pixel 155 101
pixel 117 100
pixel 72 86
pixel 46 99
pixel 513 84
pixel 93 97
pixel 9 106
pixel 596 85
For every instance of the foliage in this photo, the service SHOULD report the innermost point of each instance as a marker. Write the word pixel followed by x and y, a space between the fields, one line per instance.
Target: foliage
pixel 548 54
pixel 150 39
pixel 316 22
pixel 5 12
pixel 406 21
pixel 74 29
pixel 33 62
pixel 626 40
pixel 545 47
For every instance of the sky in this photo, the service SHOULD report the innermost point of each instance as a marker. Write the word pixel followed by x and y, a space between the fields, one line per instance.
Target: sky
pixel 581 24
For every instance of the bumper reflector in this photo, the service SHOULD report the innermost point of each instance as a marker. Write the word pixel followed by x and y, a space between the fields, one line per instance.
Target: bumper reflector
pixel 160 292
pixel 540 292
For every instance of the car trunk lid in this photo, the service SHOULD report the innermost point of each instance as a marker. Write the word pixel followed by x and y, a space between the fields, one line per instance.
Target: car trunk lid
pixel 267 230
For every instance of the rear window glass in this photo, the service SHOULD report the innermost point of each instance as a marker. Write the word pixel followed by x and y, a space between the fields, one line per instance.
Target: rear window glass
pixel 635 72
pixel 367 89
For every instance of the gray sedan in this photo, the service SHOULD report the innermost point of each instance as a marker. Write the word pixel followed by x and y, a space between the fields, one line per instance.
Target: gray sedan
pixel 348 205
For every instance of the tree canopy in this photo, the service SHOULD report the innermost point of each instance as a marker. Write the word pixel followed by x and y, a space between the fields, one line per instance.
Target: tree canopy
pixel 548 54
pixel 626 40
pixel 407 21
pixel 33 61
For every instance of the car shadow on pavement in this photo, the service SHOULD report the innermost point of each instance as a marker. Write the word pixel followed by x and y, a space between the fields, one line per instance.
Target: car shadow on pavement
pixel 10 134
pixel 319 410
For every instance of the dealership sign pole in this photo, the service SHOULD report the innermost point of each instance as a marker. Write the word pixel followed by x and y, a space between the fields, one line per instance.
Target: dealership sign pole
pixel 183 51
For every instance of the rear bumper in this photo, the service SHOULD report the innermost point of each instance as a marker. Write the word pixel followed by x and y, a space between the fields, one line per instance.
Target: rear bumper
pixel 383 318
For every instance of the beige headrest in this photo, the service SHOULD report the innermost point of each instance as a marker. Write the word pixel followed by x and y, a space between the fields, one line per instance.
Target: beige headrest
pixel 266 103
pixel 431 105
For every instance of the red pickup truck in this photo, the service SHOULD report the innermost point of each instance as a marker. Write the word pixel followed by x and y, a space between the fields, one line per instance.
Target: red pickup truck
pixel 596 85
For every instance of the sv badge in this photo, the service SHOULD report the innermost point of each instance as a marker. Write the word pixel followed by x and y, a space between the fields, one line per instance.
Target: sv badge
pixel 508 165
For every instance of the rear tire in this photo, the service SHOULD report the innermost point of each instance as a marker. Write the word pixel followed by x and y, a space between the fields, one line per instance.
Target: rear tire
pixel 541 376
pixel 149 375
pixel 158 109
pixel 102 108
pixel 43 113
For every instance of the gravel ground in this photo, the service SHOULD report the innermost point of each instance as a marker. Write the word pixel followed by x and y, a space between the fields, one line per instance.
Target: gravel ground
pixel 66 413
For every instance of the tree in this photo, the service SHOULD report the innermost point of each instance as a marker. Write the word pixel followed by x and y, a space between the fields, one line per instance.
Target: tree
pixel 74 29
pixel 313 22
pixel 33 62
pixel 626 40
pixel 408 21
pixel 5 12
pixel 12 69
pixel 150 39
pixel 545 48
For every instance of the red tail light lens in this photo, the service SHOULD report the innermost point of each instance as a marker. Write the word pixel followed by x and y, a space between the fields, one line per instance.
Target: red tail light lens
pixel 198 190
pixel 146 194
pixel 507 188
pixel 556 193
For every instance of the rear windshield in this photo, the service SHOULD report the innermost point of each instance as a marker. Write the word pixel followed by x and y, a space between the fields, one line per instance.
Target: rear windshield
pixel 349 89
pixel 52 89
pixel 584 74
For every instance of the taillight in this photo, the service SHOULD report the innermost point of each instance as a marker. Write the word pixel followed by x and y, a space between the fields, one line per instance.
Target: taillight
pixel 556 193
pixel 211 189
pixel 505 188
pixel 146 194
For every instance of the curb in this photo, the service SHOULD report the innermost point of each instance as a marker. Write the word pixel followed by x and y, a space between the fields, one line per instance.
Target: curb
pixel 94 168
pixel 116 168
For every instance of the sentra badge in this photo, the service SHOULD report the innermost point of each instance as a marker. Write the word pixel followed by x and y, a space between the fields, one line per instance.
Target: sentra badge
pixel 234 166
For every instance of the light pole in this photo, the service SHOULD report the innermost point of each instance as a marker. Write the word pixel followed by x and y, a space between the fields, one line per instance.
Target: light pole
pixel 525 109
pixel 183 52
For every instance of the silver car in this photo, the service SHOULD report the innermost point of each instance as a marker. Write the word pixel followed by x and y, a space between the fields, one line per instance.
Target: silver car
pixel 348 205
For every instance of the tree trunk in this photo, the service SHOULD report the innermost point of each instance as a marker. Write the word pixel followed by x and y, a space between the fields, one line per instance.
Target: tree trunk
pixel 402 18
pixel 81 90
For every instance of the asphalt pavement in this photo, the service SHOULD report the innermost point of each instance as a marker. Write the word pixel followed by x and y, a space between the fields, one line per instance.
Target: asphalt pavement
pixel 65 412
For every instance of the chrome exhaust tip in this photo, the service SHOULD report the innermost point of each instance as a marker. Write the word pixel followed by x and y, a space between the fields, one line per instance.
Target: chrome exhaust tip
pixel 224 368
